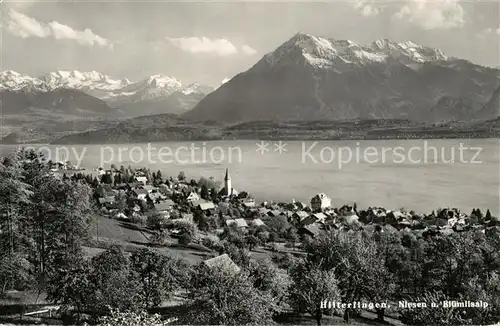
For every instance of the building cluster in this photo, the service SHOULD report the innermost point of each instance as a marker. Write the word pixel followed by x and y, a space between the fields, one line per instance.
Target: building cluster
pixel 178 199
pixel 63 166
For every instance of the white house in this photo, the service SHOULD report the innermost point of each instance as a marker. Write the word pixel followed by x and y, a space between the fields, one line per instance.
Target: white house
pixel 239 222
pixel 192 197
pixel 249 202
pixel 141 193
pixel 320 201
pixel 142 180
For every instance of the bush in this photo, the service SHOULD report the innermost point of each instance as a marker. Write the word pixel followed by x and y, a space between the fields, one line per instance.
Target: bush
pixel 252 241
pixel 283 260
pixel 222 297
pixel 210 243
pixel 185 238
pixel 138 219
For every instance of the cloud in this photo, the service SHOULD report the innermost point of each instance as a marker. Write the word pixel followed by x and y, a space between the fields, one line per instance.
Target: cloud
pixel 367 9
pixel 20 25
pixel 23 26
pixel 221 47
pixel 488 32
pixel 248 50
pixel 431 14
pixel 85 37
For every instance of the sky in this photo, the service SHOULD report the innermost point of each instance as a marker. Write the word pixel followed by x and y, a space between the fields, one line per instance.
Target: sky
pixel 211 41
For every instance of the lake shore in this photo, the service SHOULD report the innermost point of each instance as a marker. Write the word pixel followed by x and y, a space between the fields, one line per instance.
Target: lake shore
pixel 285 176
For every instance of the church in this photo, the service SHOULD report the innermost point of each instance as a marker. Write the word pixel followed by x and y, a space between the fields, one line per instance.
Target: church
pixel 228 191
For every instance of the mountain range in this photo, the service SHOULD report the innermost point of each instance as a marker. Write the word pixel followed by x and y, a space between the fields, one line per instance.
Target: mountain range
pixel 314 78
pixel 307 78
pixel 94 92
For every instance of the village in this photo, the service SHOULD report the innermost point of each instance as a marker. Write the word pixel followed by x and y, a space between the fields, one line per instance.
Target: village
pixel 147 199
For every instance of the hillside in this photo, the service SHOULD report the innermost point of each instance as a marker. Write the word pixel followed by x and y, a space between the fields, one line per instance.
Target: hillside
pixel 59 102
pixel 171 128
pixel 154 128
pixel 492 107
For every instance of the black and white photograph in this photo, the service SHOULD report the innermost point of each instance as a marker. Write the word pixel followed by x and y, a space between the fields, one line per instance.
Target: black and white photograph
pixel 287 162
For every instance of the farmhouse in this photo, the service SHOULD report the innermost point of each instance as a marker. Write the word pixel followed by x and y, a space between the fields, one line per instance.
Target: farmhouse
pixel 240 223
pixel 222 262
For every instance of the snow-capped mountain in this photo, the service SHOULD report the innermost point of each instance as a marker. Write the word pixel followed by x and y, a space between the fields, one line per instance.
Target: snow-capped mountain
pixel 157 93
pixel 82 80
pixel 14 81
pixel 153 87
pixel 343 55
pixel 313 78
pixel 100 85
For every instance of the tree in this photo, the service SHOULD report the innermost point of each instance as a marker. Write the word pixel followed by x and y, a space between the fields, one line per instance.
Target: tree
pixel 188 231
pixel 14 195
pixel 278 225
pixel 121 202
pixel 214 196
pixel 71 289
pixel 156 274
pixel 96 284
pixel 185 239
pixel 117 179
pixel 265 277
pixel 358 264
pixel 111 284
pixel 210 183
pixel 292 236
pixel 204 192
pixel 240 256
pixel 312 287
pixel 156 221
pixel 488 215
pixel 252 241
pixel 223 297
pixel 65 207
pixel 107 178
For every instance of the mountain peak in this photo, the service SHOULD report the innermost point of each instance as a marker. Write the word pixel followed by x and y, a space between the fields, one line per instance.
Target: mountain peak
pixel 319 52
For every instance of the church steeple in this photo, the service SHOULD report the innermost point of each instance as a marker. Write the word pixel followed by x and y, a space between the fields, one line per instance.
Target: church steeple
pixel 228 189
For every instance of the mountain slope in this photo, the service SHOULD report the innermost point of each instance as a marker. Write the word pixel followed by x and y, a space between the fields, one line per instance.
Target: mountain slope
pixel 175 103
pixel 491 109
pixel 311 78
pixel 58 101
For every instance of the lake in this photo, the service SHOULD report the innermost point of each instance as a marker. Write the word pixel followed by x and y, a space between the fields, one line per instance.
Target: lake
pixel 422 175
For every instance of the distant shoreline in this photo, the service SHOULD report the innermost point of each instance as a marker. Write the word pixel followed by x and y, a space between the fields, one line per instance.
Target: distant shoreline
pixel 289 138
pixel 143 130
pixel 273 139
